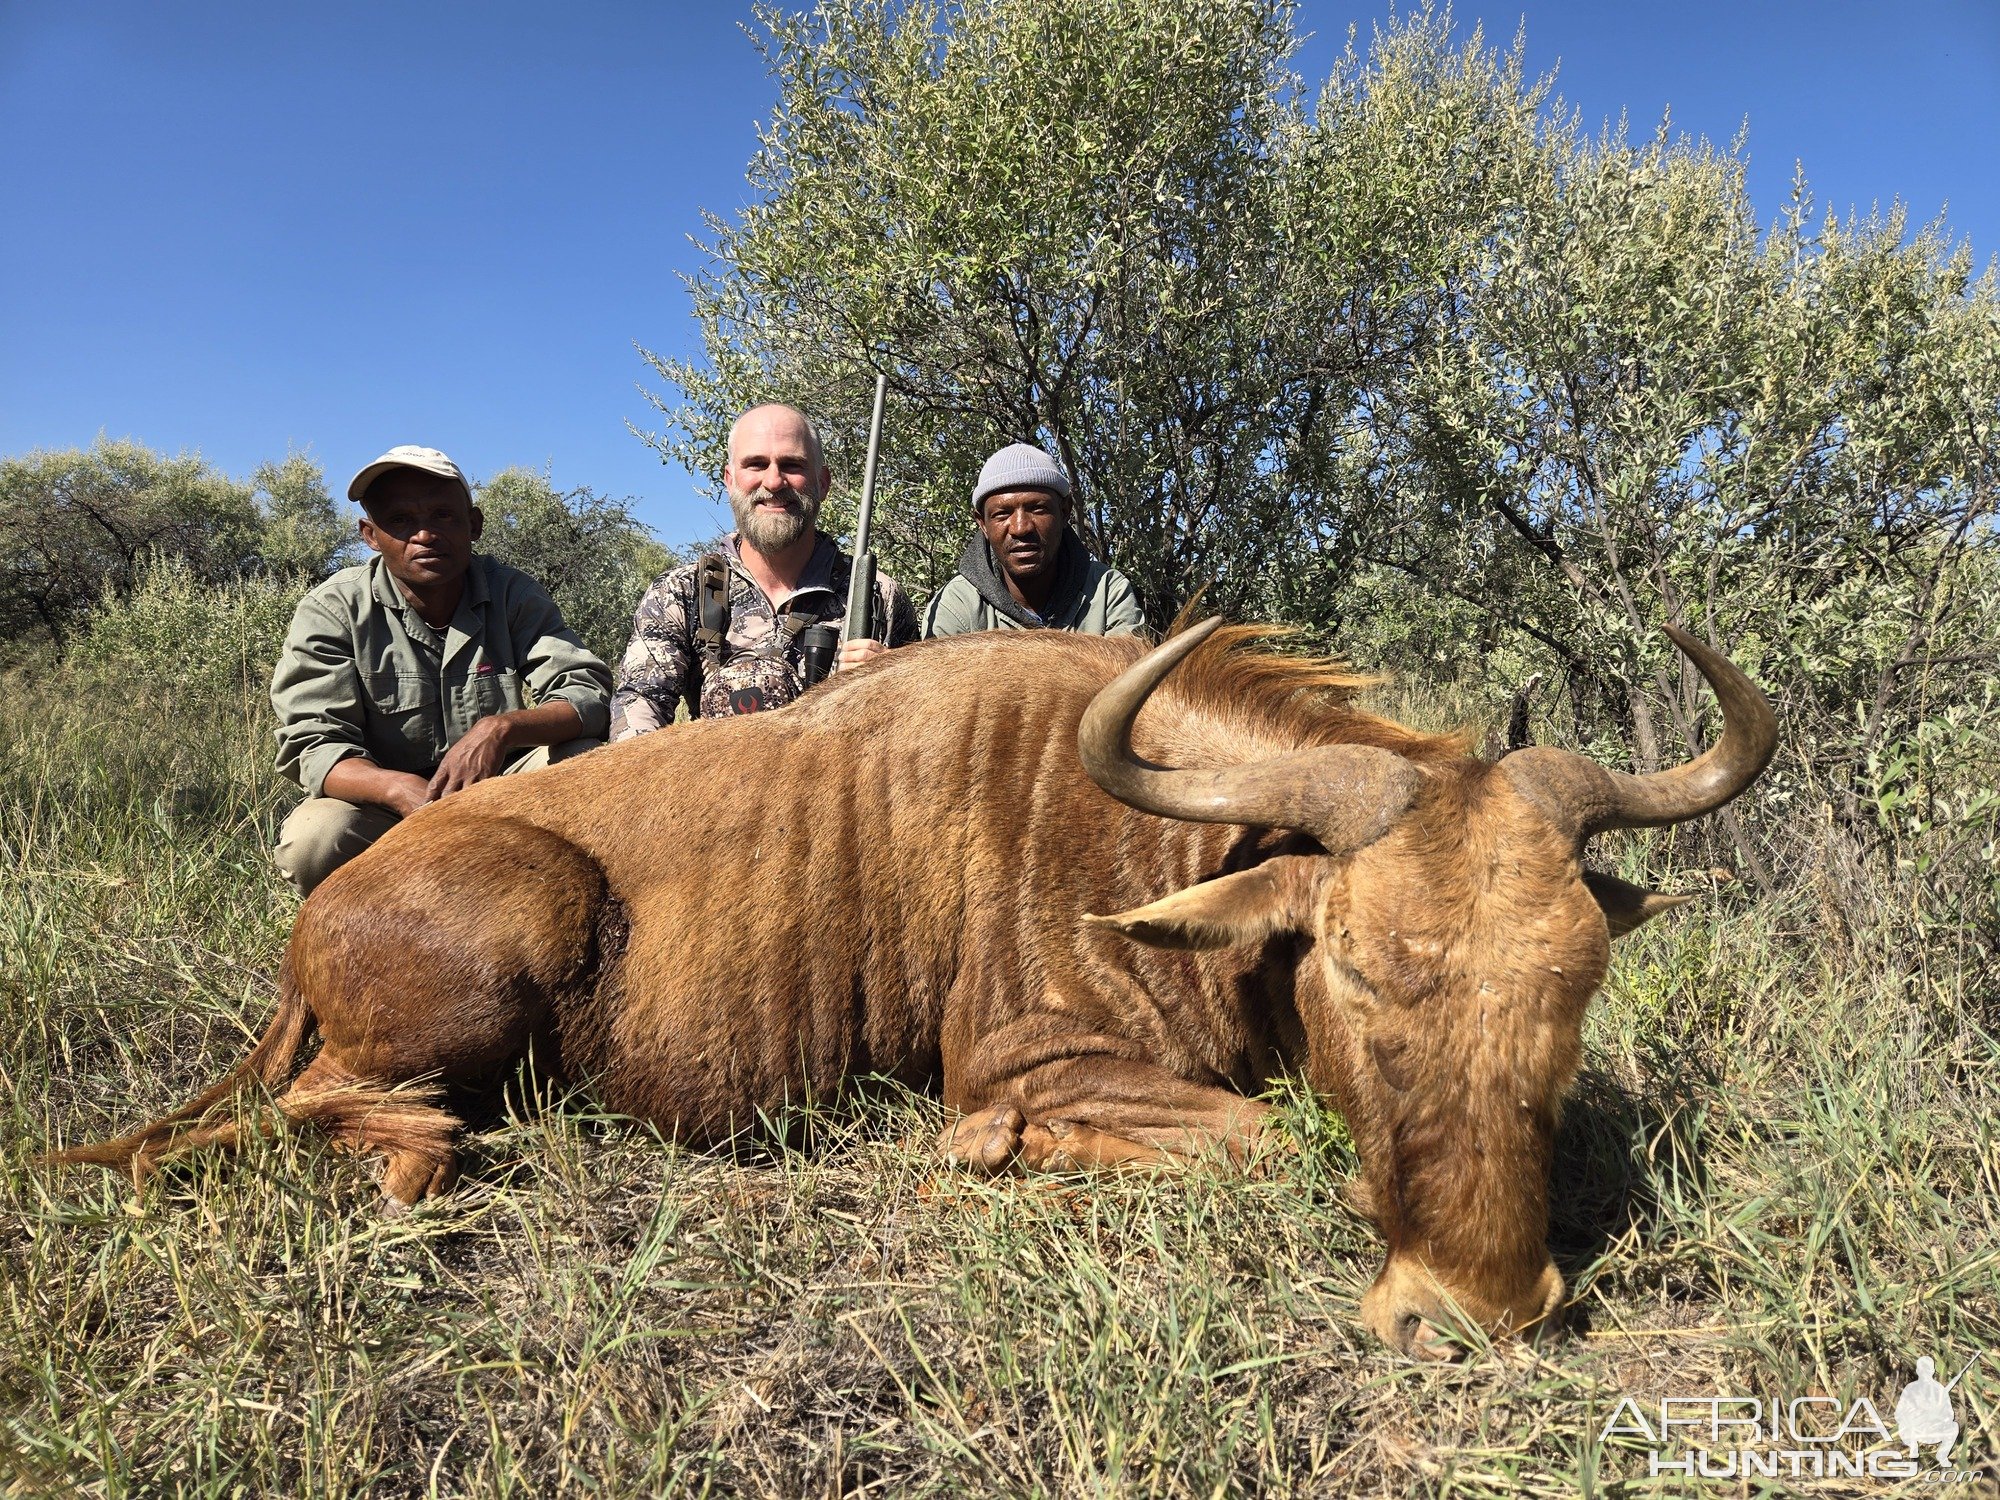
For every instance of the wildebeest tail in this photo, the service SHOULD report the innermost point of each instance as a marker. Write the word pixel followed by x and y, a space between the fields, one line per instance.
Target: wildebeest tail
pixel 360 1116
pixel 270 1063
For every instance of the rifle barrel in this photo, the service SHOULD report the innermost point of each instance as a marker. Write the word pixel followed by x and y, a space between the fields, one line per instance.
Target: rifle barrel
pixel 861 525
pixel 861 587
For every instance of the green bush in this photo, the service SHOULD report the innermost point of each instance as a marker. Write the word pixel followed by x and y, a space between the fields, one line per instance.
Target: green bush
pixel 174 631
pixel 1425 369
pixel 591 553
pixel 78 525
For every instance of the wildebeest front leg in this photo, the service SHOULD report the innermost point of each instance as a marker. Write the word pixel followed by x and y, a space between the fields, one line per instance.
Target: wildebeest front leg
pixel 986 1140
pixel 999 1137
pixel 1106 1112
pixel 1138 1114
pixel 1064 1145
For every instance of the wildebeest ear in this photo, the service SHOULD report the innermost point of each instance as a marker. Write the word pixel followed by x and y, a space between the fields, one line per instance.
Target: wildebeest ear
pixel 1247 907
pixel 1625 905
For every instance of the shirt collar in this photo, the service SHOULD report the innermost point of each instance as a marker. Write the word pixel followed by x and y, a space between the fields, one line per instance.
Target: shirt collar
pixel 467 620
pixel 384 587
pixel 818 574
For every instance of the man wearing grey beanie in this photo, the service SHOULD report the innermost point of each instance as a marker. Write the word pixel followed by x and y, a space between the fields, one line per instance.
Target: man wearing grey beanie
pixel 1025 568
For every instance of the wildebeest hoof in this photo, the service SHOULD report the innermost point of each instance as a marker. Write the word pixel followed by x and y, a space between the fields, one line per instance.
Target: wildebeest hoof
pixel 1073 1146
pixel 408 1178
pixel 1049 1146
pixel 987 1140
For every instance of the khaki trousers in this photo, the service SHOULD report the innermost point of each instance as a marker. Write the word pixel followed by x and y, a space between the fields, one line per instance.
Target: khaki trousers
pixel 324 833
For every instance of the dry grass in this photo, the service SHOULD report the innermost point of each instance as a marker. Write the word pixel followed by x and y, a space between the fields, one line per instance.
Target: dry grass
pixel 1780 1175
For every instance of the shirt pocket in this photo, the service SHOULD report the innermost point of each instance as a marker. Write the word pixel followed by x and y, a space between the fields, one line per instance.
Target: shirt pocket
pixel 404 730
pixel 749 683
pixel 495 692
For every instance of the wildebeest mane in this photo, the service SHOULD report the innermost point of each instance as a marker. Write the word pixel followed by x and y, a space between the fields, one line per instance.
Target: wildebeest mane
pixel 1236 673
pixel 1234 699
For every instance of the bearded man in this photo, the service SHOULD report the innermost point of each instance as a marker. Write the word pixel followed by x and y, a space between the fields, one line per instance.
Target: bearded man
pixel 732 632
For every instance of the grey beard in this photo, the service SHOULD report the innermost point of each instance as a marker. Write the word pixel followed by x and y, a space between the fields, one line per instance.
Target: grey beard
pixel 773 533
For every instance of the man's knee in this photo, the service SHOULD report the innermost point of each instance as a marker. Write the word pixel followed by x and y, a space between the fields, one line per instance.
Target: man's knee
pixel 324 833
pixel 545 755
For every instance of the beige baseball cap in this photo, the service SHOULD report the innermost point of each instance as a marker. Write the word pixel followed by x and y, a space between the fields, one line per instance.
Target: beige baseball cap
pixel 408 456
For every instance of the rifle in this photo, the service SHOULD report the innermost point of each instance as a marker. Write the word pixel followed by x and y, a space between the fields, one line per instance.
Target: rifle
pixel 861 587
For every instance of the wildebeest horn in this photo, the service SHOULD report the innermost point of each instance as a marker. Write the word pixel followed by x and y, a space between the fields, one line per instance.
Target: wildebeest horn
pixel 1596 799
pixel 1343 795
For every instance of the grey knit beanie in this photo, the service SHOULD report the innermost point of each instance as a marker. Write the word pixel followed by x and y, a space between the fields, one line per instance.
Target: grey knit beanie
pixel 1019 466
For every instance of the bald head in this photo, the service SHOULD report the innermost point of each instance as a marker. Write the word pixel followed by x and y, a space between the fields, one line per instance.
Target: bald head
pixel 775 419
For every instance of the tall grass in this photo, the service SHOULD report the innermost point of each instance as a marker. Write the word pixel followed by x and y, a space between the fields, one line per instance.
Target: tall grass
pixel 1779 1175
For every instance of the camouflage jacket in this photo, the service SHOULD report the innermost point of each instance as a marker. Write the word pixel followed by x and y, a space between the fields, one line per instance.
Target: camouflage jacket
pixel 763 660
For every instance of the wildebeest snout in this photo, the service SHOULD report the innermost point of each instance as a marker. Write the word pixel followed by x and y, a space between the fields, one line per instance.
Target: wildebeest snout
pixel 1412 1310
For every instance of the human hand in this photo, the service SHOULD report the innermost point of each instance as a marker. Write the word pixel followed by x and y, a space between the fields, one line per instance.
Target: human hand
pixel 476 756
pixel 359 780
pixel 854 653
pixel 404 793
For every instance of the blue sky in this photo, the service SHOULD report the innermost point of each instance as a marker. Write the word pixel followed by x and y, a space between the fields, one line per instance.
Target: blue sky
pixel 242 229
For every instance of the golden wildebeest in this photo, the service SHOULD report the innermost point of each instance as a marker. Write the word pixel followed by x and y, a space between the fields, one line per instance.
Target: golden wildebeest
pixel 893 875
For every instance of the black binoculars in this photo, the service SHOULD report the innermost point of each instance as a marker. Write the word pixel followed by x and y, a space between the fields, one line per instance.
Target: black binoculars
pixel 821 645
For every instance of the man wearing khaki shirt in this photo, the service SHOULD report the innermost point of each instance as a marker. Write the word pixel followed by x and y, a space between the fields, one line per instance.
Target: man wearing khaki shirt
pixel 407 677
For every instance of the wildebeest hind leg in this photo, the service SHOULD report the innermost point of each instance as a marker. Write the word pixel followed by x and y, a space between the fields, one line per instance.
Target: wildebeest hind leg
pixel 435 966
pixel 417 1138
